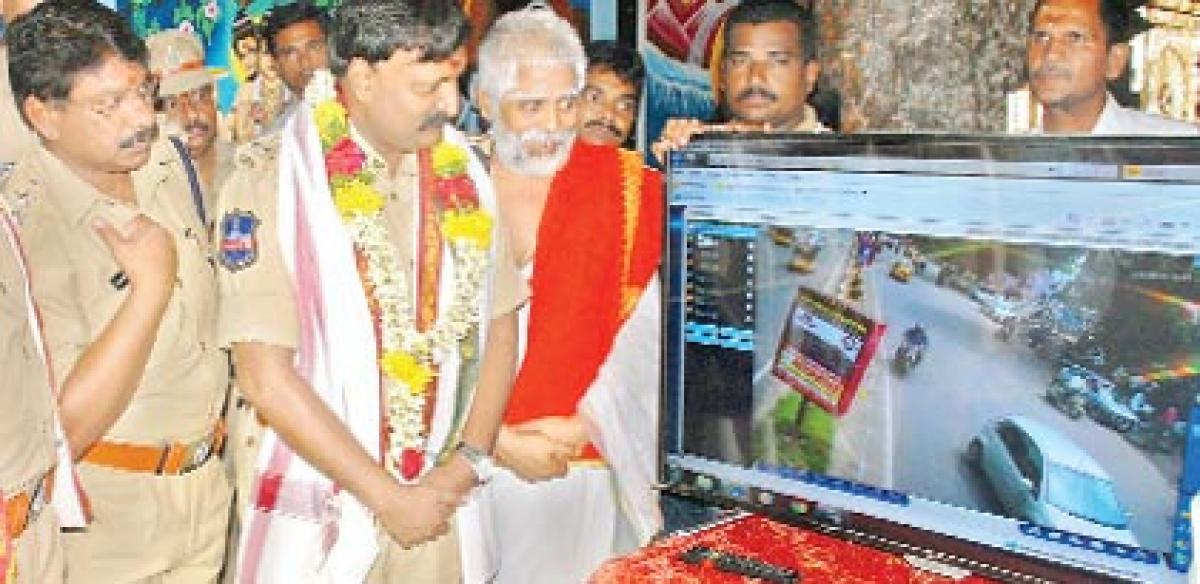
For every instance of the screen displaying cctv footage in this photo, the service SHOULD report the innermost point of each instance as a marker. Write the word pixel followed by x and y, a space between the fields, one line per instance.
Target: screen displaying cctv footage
pixel 999 349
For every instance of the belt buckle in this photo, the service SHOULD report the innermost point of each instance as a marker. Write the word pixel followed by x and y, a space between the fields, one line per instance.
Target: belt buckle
pixel 199 456
pixel 37 500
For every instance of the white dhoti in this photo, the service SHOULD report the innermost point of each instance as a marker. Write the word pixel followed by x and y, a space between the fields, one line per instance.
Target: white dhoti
pixel 560 531
pixel 567 526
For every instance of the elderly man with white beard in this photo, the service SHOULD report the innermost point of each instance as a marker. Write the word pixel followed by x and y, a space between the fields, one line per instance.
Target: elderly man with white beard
pixel 586 229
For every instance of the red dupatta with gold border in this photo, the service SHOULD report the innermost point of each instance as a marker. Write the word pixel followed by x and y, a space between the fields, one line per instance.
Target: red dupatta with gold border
pixel 599 243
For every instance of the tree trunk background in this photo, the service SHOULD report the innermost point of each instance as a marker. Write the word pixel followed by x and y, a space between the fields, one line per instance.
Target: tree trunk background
pixel 940 65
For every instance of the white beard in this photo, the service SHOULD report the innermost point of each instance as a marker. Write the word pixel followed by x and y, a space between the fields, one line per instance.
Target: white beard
pixel 510 149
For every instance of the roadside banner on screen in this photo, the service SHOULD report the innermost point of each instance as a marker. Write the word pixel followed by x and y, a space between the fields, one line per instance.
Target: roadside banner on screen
pixel 825 349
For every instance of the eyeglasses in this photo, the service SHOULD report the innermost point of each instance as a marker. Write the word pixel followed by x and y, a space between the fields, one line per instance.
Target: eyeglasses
pixel 109 103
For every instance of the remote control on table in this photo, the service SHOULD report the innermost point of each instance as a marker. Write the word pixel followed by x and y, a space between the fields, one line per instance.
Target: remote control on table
pixel 737 564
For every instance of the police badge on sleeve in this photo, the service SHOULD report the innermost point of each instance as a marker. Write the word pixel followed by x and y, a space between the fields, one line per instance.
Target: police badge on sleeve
pixel 239 240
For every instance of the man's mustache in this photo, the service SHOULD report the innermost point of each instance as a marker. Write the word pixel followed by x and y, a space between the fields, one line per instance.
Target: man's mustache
pixel 1050 71
pixel 756 92
pixel 603 125
pixel 551 140
pixel 145 135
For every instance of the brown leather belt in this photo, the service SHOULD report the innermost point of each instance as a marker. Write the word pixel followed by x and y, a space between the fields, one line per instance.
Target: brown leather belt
pixel 169 459
pixel 22 509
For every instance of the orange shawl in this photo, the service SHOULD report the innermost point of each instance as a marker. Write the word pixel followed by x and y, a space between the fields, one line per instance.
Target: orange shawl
pixel 598 244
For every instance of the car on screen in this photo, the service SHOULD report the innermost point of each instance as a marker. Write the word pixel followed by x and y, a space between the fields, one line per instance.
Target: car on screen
pixel 802 264
pixel 782 236
pixel 804 258
pixel 996 306
pixel 1100 399
pixel 1041 476
pixel 901 271
pixel 810 243
pixel 1105 407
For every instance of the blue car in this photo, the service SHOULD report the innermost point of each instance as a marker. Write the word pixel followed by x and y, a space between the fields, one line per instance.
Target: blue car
pixel 1039 475
pixel 1102 402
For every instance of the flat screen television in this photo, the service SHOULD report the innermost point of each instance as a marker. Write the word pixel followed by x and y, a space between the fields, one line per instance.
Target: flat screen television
pixel 988 344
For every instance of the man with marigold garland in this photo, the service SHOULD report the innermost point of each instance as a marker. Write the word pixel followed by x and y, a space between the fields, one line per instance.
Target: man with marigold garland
pixel 369 298
pixel 581 425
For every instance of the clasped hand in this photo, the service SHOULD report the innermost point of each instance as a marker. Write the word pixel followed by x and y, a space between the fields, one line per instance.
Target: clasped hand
pixel 541 449
pixel 421 512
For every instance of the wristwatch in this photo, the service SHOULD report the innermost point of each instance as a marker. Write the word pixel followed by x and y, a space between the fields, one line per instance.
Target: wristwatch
pixel 480 462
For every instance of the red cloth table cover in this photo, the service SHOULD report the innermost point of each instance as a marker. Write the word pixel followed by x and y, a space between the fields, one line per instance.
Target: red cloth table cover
pixel 818 558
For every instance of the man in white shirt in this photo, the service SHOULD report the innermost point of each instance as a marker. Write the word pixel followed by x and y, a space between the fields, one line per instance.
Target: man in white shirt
pixel 1074 48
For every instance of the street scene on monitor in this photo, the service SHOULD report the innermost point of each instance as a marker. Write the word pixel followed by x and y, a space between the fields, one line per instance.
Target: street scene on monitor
pixel 1047 384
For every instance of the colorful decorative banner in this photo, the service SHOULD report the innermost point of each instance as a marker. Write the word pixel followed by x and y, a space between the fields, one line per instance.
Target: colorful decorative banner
pixel 211 20
pixel 680 36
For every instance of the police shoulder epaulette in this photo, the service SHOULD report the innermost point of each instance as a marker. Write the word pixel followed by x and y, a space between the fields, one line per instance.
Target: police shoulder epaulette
pixel 259 153
pixel 21 191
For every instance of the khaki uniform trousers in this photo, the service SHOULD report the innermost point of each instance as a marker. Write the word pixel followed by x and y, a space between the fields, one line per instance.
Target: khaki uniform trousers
pixel 151 529
pixel 241 455
pixel 39 552
pixel 241 449
pixel 436 562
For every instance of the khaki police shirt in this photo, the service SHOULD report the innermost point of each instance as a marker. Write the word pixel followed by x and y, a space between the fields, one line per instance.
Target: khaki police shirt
pixel 15 136
pixel 222 169
pixel 184 384
pixel 225 152
pixel 257 303
pixel 27 415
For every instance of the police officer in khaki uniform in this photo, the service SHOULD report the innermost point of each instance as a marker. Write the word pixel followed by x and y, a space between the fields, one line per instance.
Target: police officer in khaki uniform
pixel 26 430
pixel 186 89
pixel 130 332
pixel 16 135
pixel 396 106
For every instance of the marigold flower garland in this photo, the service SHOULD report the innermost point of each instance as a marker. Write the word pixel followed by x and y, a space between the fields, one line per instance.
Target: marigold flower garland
pixel 409 356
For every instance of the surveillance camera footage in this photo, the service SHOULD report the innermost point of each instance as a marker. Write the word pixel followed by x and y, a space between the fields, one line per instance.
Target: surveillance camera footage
pixel 1010 374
